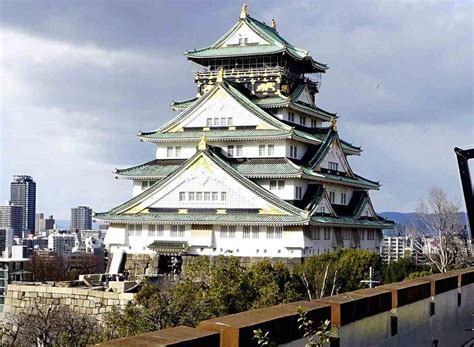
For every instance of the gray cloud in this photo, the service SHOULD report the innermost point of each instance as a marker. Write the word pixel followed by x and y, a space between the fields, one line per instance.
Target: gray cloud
pixel 82 78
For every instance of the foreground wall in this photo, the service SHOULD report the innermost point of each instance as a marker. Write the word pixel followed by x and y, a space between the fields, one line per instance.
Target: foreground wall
pixel 430 311
pixel 88 301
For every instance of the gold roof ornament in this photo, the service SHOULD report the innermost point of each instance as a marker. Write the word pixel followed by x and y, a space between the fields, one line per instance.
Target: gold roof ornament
pixel 220 75
pixel 274 23
pixel 334 123
pixel 203 143
pixel 243 11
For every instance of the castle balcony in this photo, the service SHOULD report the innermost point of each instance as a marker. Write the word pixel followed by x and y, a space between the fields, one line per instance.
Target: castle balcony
pixel 248 73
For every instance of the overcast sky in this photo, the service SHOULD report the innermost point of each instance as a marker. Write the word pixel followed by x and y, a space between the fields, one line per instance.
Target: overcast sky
pixel 79 79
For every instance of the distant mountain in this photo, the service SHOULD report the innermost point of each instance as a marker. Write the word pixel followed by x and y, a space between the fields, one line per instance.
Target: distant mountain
pixel 411 218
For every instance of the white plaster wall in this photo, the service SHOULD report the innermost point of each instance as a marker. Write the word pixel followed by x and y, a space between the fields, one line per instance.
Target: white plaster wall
pixel 250 149
pixel 302 147
pixel 338 189
pixel 289 192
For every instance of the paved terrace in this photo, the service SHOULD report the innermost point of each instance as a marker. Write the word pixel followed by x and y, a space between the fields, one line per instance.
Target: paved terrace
pixel 436 310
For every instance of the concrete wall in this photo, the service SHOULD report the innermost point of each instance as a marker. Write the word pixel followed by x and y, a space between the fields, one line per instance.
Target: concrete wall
pixel 88 301
pixel 429 311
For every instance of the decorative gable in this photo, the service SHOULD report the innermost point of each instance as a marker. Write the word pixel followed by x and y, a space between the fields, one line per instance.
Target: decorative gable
pixel 366 209
pixel 305 97
pixel 324 206
pixel 335 155
pixel 220 108
pixel 243 35
pixel 202 184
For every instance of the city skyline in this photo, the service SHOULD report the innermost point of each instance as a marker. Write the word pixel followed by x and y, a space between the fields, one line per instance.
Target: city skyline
pixel 407 105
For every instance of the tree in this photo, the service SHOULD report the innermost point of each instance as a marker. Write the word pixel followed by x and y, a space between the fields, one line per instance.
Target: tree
pixel 439 221
pixel 49 325
pixel 400 270
pixel 339 271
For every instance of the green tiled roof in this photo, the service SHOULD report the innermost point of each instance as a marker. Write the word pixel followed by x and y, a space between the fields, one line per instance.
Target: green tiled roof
pixel 182 104
pixel 201 218
pixel 276 44
pixel 265 167
pixel 217 135
pixel 350 221
pixel 157 168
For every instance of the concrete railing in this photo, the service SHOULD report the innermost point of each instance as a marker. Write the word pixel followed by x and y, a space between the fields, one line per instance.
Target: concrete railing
pixel 428 311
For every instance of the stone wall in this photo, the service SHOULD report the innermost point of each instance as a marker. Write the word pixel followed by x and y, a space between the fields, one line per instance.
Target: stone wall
pixel 88 301
pixel 137 265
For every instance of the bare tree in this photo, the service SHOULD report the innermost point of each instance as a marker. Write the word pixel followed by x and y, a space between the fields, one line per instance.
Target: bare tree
pixel 49 325
pixel 438 222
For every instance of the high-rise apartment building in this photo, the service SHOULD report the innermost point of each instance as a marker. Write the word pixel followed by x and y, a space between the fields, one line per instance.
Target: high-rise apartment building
pixel 23 193
pixel 81 218
pixel 42 224
pixel 11 216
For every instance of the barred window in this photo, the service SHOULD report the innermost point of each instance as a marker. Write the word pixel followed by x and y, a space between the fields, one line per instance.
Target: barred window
pixel 160 230
pixel 232 232
pixel 230 150
pixel 255 232
pixel 223 233
pixel 151 230
pixel 327 233
pixel 278 232
pixel 238 151
pixel 207 196
pixel 130 230
pixel 271 150
pixel 270 232
pixel 177 151
pixel 261 150
pixel 182 196
pixel 215 196
pixel 138 230
pixel 223 196
pixel 281 185
pixel 246 232
pixel 199 196
pixel 191 196
pixel 209 122
pixel 169 152
pixel 370 235
pixel 273 185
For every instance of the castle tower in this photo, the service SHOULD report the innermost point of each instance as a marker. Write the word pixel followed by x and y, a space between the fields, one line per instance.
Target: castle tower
pixel 250 166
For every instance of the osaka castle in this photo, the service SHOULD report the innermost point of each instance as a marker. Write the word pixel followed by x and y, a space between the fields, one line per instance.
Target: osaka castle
pixel 250 166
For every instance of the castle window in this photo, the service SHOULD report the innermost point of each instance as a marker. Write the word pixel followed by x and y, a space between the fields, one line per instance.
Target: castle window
pixel 291 117
pixel 293 152
pixel 223 233
pixel 299 193
pixel 255 232
pixel 159 230
pixel 261 150
pixel 207 196
pixel 333 166
pixel 271 150
pixel 177 151
pixel 362 234
pixel 198 196
pixel 191 196
pixel 209 122
pixel 343 198
pixel 281 185
pixel 230 151
pixel 223 121
pixel 223 196
pixel 151 230
pixel 246 232
pixel 278 232
pixel 215 196
pixel 130 230
pixel 138 230
pixel 314 123
pixel 238 152
pixel 273 185
pixel 232 232
pixel 346 234
pixel 315 233
pixel 216 122
pixel 144 185
pixel 270 232
pixel 230 121
pixel 327 233
pixel 177 230
pixel 302 120
pixel 370 235
pixel 169 152
pixel 332 197
pixel 182 196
